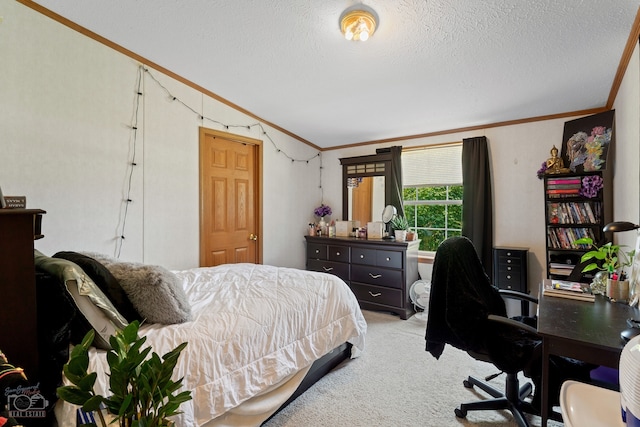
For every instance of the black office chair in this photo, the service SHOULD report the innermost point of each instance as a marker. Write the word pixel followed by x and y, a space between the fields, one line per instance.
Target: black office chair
pixel 469 313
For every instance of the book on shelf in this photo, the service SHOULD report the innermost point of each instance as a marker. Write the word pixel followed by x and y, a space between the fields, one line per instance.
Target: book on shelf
pixel 566 289
pixel 564 181
pixel 563 191
pixel 564 238
pixel 570 213
pixel 560 271
pixel 566 264
pixel 562 186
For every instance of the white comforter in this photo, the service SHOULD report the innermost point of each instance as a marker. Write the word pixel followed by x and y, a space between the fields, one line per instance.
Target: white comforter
pixel 254 326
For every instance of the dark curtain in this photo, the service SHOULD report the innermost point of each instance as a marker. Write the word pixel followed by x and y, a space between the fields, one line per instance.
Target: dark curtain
pixel 477 202
pixel 396 179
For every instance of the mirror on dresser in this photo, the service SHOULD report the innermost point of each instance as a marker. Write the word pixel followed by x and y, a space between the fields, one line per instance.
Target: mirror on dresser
pixel 366 198
pixel 367 186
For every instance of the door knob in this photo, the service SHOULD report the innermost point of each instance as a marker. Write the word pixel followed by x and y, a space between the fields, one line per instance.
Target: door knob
pixel 253 237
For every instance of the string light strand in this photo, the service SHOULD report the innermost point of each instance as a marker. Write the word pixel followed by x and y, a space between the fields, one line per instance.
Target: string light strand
pixel 227 126
pixel 133 142
pixel 133 138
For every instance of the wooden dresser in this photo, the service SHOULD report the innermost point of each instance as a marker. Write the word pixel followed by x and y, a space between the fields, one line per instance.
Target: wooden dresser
pixel 19 338
pixel 379 272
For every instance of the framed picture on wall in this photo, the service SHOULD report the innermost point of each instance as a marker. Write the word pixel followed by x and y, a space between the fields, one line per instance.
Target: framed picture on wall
pixel 586 142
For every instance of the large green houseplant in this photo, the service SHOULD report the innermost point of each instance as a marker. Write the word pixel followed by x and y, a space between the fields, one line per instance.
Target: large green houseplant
pixel 608 257
pixel 610 260
pixel 143 393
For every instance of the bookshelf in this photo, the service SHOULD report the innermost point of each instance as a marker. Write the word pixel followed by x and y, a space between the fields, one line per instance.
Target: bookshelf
pixel 574 209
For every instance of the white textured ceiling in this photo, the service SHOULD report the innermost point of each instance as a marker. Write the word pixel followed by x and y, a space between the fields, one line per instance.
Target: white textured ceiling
pixel 432 65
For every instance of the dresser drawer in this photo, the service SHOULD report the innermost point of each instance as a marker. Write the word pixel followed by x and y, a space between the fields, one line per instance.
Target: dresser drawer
pixel 363 256
pixel 389 259
pixel 377 294
pixel 336 268
pixel 377 276
pixel 338 253
pixel 506 260
pixel 379 258
pixel 317 251
pixel 511 253
pixel 508 270
pixel 509 281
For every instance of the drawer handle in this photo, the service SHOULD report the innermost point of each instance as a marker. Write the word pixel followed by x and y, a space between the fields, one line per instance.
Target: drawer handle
pixel 337 253
pixel 388 259
pixel 361 256
pixel 375 276
pixel 508 276
pixel 508 261
pixel 327 268
pixel 508 253
pixel 377 294
pixel 509 268
pixel 317 251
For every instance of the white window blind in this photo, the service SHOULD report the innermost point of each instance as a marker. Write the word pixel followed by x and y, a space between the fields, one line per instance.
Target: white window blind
pixel 432 166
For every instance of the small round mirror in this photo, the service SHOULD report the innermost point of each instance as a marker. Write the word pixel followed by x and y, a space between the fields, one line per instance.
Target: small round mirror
pixel 388 213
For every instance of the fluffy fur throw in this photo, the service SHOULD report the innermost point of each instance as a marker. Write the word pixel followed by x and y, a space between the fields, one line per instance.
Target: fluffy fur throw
pixel 154 291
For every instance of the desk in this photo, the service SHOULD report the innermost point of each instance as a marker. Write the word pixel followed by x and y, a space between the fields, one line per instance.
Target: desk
pixel 581 330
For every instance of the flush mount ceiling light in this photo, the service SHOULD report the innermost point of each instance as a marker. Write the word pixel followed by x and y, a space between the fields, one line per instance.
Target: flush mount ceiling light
pixel 358 23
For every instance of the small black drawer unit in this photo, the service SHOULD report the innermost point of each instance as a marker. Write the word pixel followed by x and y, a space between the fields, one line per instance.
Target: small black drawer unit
pixel 510 268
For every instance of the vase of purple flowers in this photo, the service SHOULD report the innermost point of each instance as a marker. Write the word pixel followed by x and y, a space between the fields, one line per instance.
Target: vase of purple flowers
pixel 323 211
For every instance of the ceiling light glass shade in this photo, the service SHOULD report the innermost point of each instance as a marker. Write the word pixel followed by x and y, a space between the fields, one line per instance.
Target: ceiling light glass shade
pixel 358 24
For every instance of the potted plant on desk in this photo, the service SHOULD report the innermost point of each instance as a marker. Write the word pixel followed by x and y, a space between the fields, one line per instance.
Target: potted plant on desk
pixel 611 261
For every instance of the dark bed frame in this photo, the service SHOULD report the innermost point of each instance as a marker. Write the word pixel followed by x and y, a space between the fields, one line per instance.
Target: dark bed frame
pixel 319 369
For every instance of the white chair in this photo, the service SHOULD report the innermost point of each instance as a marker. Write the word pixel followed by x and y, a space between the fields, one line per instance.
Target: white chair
pixel 588 405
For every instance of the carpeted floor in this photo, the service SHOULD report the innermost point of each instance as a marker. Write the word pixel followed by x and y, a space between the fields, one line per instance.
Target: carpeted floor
pixel 396 383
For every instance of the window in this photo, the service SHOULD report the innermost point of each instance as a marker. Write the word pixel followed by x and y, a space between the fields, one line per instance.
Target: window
pixel 432 193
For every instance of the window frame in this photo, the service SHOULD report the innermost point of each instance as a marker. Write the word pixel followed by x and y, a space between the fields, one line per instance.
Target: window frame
pixel 416 202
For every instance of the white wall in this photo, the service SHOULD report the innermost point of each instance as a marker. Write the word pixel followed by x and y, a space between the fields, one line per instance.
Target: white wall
pixel 67 102
pixel 626 172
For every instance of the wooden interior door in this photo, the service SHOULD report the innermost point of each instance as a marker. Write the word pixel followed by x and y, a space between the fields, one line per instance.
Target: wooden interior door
pixel 362 197
pixel 230 208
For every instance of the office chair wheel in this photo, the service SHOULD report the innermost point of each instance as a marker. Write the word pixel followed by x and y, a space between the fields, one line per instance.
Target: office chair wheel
pixel 467 384
pixel 461 413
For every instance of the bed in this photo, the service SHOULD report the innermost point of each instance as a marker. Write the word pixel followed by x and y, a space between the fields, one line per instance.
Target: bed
pixel 257 337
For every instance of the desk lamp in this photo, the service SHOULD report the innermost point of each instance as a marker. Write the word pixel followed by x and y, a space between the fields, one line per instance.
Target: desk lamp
pixel 620 226
pixel 616 226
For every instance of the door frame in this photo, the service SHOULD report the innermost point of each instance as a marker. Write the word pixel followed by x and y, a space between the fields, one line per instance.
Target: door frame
pixel 258 168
